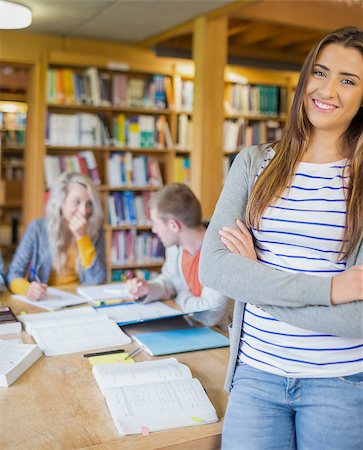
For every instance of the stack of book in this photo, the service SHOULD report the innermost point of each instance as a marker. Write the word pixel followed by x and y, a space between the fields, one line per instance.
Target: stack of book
pixel 15 359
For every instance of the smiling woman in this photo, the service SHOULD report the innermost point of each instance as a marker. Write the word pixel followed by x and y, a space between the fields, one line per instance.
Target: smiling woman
pixel 64 247
pixel 333 97
pixel 294 266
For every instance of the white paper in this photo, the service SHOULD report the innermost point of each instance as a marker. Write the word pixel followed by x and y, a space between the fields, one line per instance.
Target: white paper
pixel 138 312
pixel 55 299
pixel 105 292
pixel 86 333
pixel 12 341
pixel 159 406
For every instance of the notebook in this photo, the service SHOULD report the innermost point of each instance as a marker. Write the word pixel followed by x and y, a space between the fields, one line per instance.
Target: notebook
pixel 15 359
pixel 55 299
pixel 153 395
pixel 178 341
pixel 136 312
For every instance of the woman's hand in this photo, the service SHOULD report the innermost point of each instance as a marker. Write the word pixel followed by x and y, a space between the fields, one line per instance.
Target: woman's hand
pixel 347 286
pixel 36 291
pixel 78 225
pixel 238 240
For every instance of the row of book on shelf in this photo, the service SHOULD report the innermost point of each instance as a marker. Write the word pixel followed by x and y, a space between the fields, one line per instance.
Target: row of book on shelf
pixel 83 162
pixel 130 247
pixel 13 138
pixel 241 133
pixel 132 131
pixel 98 87
pixel 12 168
pixel 255 99
pixel 85 129
pixel 123 169
pixel 149 132
pixel 127 208
pixel 13 119
pixel 126 274
pixel 91 86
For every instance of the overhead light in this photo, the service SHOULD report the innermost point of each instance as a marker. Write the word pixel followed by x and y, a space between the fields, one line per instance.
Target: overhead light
pixel 14 16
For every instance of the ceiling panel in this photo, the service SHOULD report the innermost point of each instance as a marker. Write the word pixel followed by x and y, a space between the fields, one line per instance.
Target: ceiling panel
pixel 259 30
pixel 119 20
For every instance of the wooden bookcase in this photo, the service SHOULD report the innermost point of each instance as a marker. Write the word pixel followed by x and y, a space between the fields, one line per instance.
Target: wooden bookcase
pixel 12 148
pixel 204 160
pixel 64 100
pixel 141 100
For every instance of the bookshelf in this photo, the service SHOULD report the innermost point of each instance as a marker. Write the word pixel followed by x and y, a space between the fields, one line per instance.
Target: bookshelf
pixel 127 120
pixel 13 116
pixel 119 128
pixel 202 161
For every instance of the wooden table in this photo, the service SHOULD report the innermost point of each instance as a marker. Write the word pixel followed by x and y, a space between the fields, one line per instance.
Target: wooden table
pixel 56 404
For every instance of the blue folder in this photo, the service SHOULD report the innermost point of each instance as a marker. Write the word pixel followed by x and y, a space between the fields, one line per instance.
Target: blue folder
pixel 178 341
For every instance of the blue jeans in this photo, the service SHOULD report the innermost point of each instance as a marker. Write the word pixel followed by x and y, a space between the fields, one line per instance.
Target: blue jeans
pixel 270 412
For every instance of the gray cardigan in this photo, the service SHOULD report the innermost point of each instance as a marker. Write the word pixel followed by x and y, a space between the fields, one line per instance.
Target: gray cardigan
pixel 34 251
pixel 299 299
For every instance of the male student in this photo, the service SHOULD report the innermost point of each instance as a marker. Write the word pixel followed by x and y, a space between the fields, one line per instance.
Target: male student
pixel 176 218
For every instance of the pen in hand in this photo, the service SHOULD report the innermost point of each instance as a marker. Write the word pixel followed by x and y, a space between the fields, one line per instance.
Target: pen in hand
pixel 37 289
pixel 34 274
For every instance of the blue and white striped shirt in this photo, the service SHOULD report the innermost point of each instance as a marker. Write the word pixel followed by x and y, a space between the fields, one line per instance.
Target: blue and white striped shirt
pixel 302 232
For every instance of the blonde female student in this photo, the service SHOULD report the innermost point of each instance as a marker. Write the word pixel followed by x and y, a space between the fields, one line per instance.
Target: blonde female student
pixel 66 246
pixel 295 373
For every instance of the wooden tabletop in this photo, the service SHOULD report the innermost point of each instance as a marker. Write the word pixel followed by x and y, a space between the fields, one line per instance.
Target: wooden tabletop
pixel 57 404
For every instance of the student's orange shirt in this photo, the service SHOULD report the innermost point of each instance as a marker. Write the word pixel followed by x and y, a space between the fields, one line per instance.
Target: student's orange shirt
pixel 190 268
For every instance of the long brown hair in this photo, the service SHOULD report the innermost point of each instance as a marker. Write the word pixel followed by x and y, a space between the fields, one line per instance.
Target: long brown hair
pixel 290 149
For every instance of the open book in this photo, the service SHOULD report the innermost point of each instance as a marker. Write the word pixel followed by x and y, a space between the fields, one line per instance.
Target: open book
pixel 101 292
pixel 153 396
pixel 15 359
pixel 75 330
